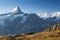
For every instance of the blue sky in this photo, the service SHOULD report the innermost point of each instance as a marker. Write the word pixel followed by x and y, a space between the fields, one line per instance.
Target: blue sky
pixel 28 6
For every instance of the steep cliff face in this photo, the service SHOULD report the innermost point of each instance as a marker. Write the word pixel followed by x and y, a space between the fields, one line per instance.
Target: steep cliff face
pixel 54 28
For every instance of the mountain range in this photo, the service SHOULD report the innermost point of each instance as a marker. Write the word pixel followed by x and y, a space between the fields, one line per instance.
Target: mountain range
pixel 18 22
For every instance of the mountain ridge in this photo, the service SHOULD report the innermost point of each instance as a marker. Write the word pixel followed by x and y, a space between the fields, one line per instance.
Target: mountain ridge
pixel 19 22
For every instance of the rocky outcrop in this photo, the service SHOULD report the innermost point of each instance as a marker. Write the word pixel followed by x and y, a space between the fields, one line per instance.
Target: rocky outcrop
pixel 54 27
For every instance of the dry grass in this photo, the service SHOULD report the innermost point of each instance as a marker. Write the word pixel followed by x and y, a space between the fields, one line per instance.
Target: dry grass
pixel 55 35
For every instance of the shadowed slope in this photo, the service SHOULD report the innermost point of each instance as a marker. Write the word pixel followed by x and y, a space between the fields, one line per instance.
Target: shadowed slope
pixel 50 34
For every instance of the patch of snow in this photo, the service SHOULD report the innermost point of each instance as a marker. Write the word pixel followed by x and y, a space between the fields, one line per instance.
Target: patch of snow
pixel 43 15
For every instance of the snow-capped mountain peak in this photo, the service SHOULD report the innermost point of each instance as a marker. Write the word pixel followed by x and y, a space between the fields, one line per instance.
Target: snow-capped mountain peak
pixel 55 14
pixel 17 10
pixel 43 15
